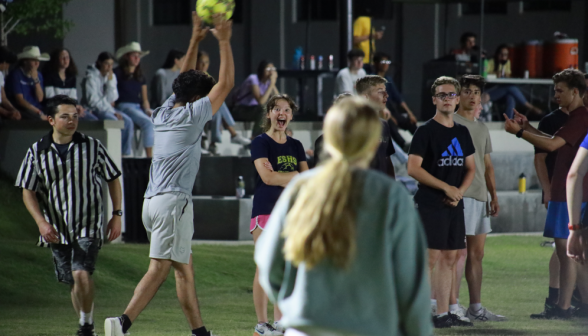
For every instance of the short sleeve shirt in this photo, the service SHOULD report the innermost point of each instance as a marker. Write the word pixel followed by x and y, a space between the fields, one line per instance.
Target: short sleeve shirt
pixel 177 146
pixel 18 83
pixel 444 151
pixel 573 132
pixel 481 138
pixel 550 124
pixel 361 27
pixel 284 158
pixel 245 94
pixel 129 88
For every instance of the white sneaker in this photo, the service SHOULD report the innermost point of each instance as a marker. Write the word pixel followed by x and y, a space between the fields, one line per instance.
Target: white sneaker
pixel 240 140
pixel 279 327
pixel 460 315
pixel 433 309
pixel 204 151
pixel 463 309
pixel 113 327
pixel 484 315
pixel 264 329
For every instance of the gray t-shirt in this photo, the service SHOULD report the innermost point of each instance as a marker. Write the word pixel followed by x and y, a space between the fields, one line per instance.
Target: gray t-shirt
pixel 483 145
pixel 176 151
pixel 161 86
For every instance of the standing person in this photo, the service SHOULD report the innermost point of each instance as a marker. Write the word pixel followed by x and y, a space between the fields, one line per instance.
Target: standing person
pixel 60 79
pixel 343 240
pixel 346 77
pixel 569 89
pixel 544 166
pixel 365 35
pixel 24 85
pixel 7 110
pixel 255 92
pixel 132 91
pixel 161 85
pixel 56 171
pixel 223 117
pixel 477 207
pixel 278 158
pixel 99 92
pixel 441 159
pixel 167 209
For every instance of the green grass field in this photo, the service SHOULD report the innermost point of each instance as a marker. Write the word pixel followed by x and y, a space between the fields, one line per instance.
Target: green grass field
pixel 33 303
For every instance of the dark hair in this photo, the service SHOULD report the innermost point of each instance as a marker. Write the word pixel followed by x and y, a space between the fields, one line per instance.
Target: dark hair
pixel 201 53
pixel 52 66
pixel 191 84
pixel 379 55
pixel 466 80
pixel 261 68
pixel 465 36
pixel 271 103
pixel 172 55
pixel 7 56
pixel 365 83
pixel 497 54
pixel 104 56
pixel 52 104
pixel 573 78
pixel 353 53
pixel 124 63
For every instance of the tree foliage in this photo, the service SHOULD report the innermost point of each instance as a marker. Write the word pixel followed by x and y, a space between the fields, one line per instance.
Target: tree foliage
pixel 37 16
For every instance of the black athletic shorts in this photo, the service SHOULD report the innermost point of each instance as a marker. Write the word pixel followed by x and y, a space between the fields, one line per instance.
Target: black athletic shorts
pixel 445 226
pixel 80 255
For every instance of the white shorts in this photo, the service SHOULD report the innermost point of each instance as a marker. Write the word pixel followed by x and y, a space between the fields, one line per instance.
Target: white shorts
pixel 476 216
pixel 168 219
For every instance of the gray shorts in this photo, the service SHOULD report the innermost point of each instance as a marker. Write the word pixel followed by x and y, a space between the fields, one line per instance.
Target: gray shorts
pixel 169 222
pixel 78 256
pixel 476 216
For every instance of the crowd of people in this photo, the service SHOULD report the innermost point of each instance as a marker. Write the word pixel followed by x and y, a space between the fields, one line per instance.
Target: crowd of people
pixel 331 243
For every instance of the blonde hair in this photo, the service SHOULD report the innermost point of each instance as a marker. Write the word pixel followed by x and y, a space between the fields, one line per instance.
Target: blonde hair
pixel 445 80
pixel 321 222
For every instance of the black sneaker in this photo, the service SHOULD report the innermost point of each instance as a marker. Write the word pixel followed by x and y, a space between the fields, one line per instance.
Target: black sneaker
pixel 582 311
pixel 458 321
pixel 442 321
pixel 86 330
pixel 576 298
pixel 547 313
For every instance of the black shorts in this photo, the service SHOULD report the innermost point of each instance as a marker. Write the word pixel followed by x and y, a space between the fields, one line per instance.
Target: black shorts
pixel 445 227
pixel 78 256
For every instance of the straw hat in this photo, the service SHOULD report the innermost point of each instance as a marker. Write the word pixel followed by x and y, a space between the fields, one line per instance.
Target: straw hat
pixel 131 47
pixel 33 52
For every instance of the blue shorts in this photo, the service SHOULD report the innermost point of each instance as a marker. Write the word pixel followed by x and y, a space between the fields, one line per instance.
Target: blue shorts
pixel 556 224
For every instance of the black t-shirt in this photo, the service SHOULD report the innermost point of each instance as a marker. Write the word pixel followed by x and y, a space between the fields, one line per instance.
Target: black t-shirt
pixel 53 79
pixel 444 151
pixel 550 124
pixel 381 158
pixel 129 88
pixel 62 149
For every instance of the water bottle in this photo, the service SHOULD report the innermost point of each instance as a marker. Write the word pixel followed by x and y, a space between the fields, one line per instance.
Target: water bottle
pixel 320 62
pixel 240 187
pixel 297 55
pixel 312 63
pixel 302 62
pixel 330 62
pixel 522 184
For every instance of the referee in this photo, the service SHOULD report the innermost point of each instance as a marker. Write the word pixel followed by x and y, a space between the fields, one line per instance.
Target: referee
pixel 62 189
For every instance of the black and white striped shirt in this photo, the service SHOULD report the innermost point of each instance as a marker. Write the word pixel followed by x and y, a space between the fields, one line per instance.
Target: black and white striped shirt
pixel 69 187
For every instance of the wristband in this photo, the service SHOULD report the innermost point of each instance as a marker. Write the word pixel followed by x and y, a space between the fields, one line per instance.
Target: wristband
pixel 574 227
pixel 36 81
pixel 520 133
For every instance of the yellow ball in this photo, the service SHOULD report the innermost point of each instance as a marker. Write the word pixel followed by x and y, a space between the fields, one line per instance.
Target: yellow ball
pixel 207 8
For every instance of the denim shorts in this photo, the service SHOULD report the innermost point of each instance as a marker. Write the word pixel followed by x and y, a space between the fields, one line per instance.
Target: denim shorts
pixel 81 255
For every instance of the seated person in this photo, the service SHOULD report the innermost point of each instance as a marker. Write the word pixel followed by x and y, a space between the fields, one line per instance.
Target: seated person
pixel 254 93
pixel 24 85
pixel 161 85
pixel 406 121
pixel 99 93
pixel 60 79
pixel 468 51
pixel 223 117
pixel 509 94
pixel 7 111
pixel 347 77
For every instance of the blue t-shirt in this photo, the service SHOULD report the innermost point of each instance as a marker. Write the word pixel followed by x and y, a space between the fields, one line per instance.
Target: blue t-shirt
pixel 129 88
pixel 284 158
pixel 584 143
pixel 18 83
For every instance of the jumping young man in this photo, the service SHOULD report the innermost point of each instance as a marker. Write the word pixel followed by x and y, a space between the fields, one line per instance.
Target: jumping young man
pixel 570 87
pixel 441 159
pixel 167 209
pixel 477 207
pixel 61 180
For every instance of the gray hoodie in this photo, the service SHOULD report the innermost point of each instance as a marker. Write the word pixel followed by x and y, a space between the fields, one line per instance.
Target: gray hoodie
pixel 98 92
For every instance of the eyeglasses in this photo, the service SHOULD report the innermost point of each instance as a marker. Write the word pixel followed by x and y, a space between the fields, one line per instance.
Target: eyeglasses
pixel 442 96
pixel 385 62
pixel 270 69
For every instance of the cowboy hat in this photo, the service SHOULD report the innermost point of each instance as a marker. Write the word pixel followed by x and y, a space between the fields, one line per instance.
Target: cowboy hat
pixel 33 52
pixel 131 47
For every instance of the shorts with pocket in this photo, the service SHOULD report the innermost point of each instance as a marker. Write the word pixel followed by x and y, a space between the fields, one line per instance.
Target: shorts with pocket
pixel 444 226
pixel 169 221
pixel 259 221
pixel 476 216
pixel 80 255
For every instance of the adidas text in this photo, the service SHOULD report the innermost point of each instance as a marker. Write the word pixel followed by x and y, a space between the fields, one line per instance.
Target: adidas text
pixel 450 161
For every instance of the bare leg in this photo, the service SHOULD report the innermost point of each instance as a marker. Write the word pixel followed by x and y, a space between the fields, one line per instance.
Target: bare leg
pixel 554 271
pixel 148 286
pixel 445 270
pixel 474 266
pixel 583 282
pixel 459 266
pixel 149 151
pixel 75 302
pixel 567 274
pixel 83 289
pixel 187 293
pixel 259 297
pixel 277 313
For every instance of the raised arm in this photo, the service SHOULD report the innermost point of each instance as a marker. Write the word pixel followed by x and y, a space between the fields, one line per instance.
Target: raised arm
pixel 271 90
pixel 416 171
pixel 549 144
pixel 198 34
pixel 223 30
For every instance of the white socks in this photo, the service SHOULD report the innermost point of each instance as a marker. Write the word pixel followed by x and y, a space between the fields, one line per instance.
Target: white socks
pixel 433 302
pixel 475 307
pixel 86 318
pixel 453 307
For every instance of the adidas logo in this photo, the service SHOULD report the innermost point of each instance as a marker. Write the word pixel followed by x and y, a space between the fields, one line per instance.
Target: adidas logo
pixel 453 156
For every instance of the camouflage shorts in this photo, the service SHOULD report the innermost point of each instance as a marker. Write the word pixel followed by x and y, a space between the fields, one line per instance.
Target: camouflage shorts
pixel 78 256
